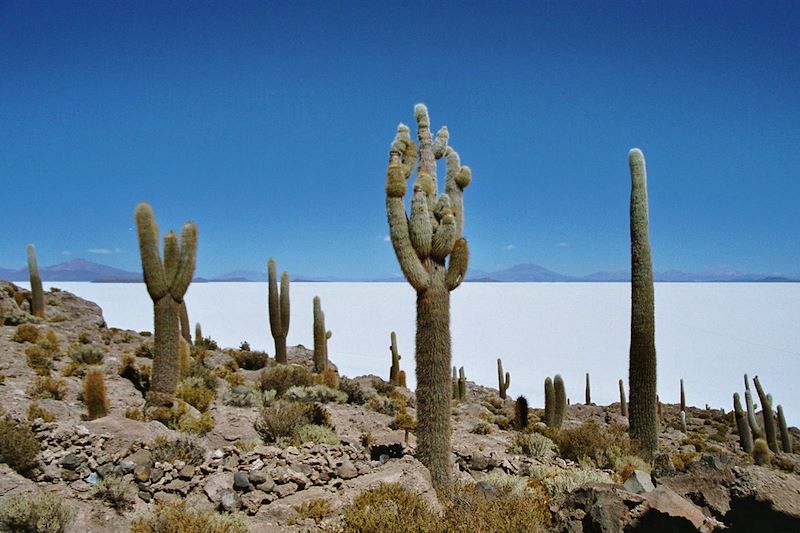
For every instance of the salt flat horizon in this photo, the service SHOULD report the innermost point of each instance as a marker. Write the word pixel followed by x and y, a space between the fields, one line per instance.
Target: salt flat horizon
pixel 709 334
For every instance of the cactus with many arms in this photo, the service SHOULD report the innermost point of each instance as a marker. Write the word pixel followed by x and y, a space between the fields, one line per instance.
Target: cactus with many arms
pixel 642 365
pixel 167 283
pixel 549 402
pixel 623 401
pixel 394 370
pixel 37 293
pixel 770 431
pixel 503 381
pixel 742 426
pixel 433 257
pixel 321 336
pixel 560 401
pixel 278 310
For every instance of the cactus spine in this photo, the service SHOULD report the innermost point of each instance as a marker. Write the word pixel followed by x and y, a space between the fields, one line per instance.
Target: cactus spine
pixel 462 384
pixel 394 370
pixel 503 382
pixel 623 401
pixel 786 439
pixel 167 283
pixel 321 336
pixel 278 310
pixel 549 402
pixel 743 428
pixel 423 242
pixel 588 391
pixel 521 412
pixel 683 397
pixel 198 334
pixel 37 293
pixel 186 332
pixel 770 431
pixel 561 401
pixel 642 365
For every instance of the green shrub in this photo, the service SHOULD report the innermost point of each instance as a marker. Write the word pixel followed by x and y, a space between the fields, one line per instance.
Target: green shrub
pixel 251 360
pixel 26 333
pixel 208 343
pixel 281 420
pixel 384 405
pixel 18 446
pixel 532 445
pixel 590 443
pixel 559 481
pixel 181 518
pixel 317 434
pixel 46 513
pixel 196 425
pixel 315 393
pixel 242 396
pixel 37 411
pixel 472 510
pixel 39 360
pixel 183 449
pixel 197 368
pixel 281 378
pixel 355 393
pixel 193 391
pixel 85 354
pixel 482 428
pixel 119 493
pixel 316 509
pixel 46 387
pixel 145 349
pixel 389 507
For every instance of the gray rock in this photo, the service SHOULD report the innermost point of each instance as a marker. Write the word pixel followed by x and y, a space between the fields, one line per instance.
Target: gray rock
pixel 92 478
pixel 105 470
pixel 69 475
pixel 71 462
pixel 285 490
pixel 258 477
pixel 639 483
pixel 241 481
pixel 156 474
pixel 187 472
pixel 267 486
pixel 346 470
pixel 229 500
pixel 127 466
pixel 145 496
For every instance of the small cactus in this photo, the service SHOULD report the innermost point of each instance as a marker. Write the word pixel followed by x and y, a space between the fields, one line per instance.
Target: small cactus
pixel 504 381
pixel 549 402
pixel 521 412
pixel 742 426
pixel 94 395
pixel 167 282
pixel 394 370
pixel 321 336
pixel 455 383
pixel 278 310
pixel 683 421
pixel 683 397
pixel 770 431
pixel 588 391
pixel 761 453
pixel 184 319
pixel 786 438
pixel 561 400
pixel 462 384
pixel 401 378
pixel 37 293
pixel 623 400
pixel 198 334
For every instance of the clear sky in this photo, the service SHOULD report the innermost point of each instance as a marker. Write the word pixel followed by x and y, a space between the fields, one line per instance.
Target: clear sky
pixel 268 124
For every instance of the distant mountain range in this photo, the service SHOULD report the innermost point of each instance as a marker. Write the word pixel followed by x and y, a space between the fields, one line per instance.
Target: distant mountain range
pixel 82 270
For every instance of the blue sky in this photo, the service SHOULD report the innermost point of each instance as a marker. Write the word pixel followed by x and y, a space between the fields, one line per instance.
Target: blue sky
pixel 268 124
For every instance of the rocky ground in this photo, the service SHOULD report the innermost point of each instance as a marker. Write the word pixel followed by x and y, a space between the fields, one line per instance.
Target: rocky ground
pixel 701 481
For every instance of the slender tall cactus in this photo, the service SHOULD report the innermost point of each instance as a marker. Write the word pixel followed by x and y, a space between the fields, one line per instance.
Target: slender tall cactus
pixel 561 401
pixel 278 310
pixel 394 370
pixel 549 402
pixel 683 397
pixel 642 366
pixel 521 412
pixel 462 384
pixel 623 400
pixel 167 283
pixel 423 242
pixel 198 334
pixel 745 433
pixel 682 417
pixel 588 390
pixel 321 336
pixel 455 383
pixel 770 431
pixel 186 330
pixel 37 293
pixel 503 381
pixel 786 438
pixel 751 412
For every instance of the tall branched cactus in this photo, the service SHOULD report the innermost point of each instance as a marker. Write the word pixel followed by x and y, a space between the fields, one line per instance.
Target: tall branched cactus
pixel 642 365
pixel 433 257
pixel 394 370
pixel 321 336
pixel 504 381
pixel 37 293
pixel 278 310
pixel 167 283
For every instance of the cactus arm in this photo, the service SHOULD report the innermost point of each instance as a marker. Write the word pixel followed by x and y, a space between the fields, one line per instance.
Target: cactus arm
pixel 420 228
pixel 152 268
pixel 172 256
pixel 457 179
pixel 444 239
pixel 285 304
pixel 426 171
pixel 457 264
pixel 769 416
pixel 410 264
pixel 186 266
pixel 745 433
pixel 786 438
pixel 274 299
pixel 440 143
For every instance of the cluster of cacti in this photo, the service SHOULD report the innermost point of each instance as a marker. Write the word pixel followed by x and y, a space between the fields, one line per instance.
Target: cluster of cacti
pixel 748 427
pixel 504 381
pixel 167 283
pixel 321 336
pixel 588 395
pixel 521 412
pixel 642 367
pixel 278 310
pixel 37 293
pixel 623 400
pixel 94 395
pixel 433 256
pixel 394 370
